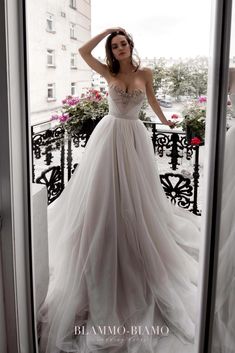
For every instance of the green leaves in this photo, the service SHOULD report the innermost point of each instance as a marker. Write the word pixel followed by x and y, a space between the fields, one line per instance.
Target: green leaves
pixel 194 118
pixel 187 77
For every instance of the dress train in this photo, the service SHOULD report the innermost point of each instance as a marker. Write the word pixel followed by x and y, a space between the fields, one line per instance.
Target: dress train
pixel 121 255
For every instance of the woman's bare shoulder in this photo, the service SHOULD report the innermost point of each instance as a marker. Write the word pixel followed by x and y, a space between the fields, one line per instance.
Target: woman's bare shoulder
pixel 144 69
pixel 146 73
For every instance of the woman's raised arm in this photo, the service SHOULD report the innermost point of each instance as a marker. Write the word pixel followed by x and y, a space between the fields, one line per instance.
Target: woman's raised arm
pixel 86 49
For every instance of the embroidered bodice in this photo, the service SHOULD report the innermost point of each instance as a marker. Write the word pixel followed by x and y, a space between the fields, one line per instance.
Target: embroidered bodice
pixel 125 105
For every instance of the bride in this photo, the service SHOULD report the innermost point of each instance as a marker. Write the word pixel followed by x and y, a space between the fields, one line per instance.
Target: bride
pixel 123 260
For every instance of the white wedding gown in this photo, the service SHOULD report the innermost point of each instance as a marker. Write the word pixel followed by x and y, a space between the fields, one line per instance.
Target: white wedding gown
pixel 121 255
pixel 224 320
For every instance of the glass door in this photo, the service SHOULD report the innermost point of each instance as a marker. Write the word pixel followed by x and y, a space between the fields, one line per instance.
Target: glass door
pixel 45 82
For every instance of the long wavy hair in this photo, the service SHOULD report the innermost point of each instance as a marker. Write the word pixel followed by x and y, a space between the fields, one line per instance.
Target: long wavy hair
pixel 111 61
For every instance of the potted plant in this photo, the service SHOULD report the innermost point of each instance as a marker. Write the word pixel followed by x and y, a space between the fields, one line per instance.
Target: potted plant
pixel 194 120
pixel 81 114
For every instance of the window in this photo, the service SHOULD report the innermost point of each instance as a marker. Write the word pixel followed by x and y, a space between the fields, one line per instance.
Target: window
pixel 50 23
pixel 51 91
pixel 73 88
pixel 72 31
pixel 50 58
pixel 73 61
pixel 72 4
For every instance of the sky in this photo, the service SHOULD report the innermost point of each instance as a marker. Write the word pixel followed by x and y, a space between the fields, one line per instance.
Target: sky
pixel 168 28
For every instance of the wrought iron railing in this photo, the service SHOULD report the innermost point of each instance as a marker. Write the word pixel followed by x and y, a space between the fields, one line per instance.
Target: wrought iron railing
pixel 54 154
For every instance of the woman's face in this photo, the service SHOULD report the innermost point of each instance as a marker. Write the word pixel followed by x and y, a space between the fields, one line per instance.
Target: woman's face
pixel 120 47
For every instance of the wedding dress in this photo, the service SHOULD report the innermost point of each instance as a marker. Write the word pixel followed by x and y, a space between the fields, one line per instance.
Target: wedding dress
pixel 122 257
pixel 224 319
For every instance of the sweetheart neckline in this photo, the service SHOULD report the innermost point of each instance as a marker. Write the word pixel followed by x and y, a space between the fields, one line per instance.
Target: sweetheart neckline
pixel 123 91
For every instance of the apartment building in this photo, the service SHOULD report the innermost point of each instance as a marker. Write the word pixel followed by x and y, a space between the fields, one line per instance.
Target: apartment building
pixel 55 31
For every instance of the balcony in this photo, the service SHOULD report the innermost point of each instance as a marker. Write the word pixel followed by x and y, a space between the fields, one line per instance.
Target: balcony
pixel 56 155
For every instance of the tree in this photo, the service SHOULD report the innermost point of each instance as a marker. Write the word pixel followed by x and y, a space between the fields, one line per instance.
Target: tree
pixel 188 77
pixel 160 73
pixel 199 75
pixel 179 75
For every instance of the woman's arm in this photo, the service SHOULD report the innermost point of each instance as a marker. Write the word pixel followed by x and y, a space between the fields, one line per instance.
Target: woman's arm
pixel 86 49
pixel 152 99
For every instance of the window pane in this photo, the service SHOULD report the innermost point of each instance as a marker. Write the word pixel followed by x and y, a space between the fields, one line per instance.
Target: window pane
pixel 51 90
pixel 49 24
pixel 50 57
pixel 73 60
pixel 73 88
pixel 73 3
pixel 72 31
pixel 49 60
pixel 50 93
pixel 75 82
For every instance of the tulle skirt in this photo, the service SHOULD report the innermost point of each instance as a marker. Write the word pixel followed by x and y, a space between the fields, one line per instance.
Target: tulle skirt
pixel 224 320
pixel 123 270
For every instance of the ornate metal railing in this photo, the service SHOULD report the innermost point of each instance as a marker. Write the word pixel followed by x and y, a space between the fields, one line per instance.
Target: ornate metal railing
pixel 54 155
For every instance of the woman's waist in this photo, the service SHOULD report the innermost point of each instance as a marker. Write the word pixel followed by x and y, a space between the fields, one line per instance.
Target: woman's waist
pixel 125 116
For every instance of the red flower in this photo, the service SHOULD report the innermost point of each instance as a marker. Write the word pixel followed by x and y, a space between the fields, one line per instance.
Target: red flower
pixel 195 141
pixel 175 116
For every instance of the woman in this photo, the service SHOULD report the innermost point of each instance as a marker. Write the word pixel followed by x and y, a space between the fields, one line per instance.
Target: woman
pixel 121 70
pixel 122 275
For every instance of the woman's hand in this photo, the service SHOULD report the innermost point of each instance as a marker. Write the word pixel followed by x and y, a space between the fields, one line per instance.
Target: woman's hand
pixel 171 124
pixel 115 29
pixel 86 49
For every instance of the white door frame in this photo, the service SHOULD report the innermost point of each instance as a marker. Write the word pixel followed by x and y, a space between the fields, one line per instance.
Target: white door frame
pixel 215 136
pixel 15 176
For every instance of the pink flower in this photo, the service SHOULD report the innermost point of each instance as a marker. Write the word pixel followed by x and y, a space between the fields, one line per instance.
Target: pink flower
pixel 202 99
pixel 71 102
pixel 64 117
pixel 175 116
pixel 54 117
pixel 195 141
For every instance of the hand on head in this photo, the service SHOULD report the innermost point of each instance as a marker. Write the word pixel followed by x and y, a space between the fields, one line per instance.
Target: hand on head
pixel 117 29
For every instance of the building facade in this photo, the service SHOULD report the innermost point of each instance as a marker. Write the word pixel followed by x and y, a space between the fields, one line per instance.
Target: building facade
pixel 99 83
pixel 55 31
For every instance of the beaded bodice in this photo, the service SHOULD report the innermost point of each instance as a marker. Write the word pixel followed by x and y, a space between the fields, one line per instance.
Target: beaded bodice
pixel 125 105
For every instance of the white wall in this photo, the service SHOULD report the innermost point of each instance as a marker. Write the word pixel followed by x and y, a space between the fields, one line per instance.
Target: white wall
pixel 39 40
